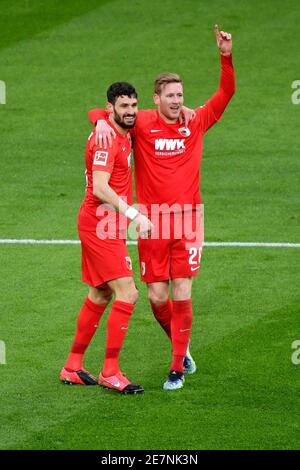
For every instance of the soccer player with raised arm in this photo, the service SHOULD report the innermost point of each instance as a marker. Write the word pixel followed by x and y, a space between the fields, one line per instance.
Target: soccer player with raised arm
pixel 106 265
pixel 167 174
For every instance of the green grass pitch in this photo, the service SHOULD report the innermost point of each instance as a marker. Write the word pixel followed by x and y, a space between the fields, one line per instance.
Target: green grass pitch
pixel 57 60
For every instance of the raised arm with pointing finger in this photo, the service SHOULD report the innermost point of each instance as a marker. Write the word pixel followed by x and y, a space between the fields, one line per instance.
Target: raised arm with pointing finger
pixel 212 110
pixel 215 106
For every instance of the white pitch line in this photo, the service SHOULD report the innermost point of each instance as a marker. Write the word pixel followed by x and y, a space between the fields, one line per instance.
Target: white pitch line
pixel 13 241
pixel 254 244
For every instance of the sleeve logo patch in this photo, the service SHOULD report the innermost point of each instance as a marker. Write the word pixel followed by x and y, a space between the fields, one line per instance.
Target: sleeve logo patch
pixel 100 158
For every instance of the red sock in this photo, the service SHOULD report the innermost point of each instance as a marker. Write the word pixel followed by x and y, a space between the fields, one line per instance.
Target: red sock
pixel 117 326
pixel 163 314
pixel 181 324
pixel 87 323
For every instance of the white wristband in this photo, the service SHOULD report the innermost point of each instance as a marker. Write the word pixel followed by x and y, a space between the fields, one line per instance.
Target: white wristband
pixel 131 213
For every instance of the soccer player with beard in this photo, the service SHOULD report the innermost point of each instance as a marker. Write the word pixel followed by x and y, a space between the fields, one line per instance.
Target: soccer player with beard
pixel 167 173
pixel 106 265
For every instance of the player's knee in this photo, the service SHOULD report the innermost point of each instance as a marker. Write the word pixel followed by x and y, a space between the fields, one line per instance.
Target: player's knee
pixel 126 291
pixel 130 295
pixel 158 297
pixel 100 296
pixel 181 292
pixel 134 296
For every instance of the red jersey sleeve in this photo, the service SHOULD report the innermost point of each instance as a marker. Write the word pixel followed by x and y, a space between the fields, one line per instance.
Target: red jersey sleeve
pixel 213 109
pixel 97 114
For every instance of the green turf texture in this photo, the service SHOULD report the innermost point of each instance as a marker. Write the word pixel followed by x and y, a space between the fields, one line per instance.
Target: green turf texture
pixel 57 59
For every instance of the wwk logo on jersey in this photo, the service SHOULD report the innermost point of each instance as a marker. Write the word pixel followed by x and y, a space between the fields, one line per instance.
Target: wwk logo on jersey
pixel 100 158
pixel 169 144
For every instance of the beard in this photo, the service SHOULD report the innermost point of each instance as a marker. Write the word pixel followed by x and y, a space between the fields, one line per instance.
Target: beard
pixel 120 120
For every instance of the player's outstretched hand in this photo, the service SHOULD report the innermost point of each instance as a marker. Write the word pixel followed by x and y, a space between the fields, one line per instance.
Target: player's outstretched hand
pixel 224 41
pixel 144 226
pixel 104 134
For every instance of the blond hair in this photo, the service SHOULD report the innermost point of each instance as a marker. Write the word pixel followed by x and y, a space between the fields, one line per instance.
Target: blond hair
pixel 163 79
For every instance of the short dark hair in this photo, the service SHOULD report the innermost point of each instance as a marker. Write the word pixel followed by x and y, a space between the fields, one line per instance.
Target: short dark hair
pixel 120 89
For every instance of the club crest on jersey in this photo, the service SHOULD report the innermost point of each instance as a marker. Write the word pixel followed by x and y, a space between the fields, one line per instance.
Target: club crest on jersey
pixel 100 158
pixel 184 131
pixel 128 262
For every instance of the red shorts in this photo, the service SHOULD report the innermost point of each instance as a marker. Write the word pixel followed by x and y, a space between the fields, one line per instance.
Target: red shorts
pixel 103 260
pixel 174 250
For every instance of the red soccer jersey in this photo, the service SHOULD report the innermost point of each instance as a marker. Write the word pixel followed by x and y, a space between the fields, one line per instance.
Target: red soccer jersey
pixel 117 162
pixel 168 156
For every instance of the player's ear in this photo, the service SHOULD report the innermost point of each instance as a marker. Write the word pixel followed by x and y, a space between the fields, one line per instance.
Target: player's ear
pixel 156 99
pixel 109 107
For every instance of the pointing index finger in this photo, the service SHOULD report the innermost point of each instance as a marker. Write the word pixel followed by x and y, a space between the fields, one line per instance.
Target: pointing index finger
pixel 216 29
